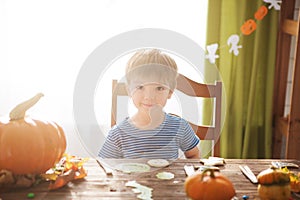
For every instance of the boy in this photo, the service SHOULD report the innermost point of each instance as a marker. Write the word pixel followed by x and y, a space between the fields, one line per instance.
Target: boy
pixel 151 133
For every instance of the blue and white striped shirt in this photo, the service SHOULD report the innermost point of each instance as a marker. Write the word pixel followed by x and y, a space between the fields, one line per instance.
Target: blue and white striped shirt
pixel 127 141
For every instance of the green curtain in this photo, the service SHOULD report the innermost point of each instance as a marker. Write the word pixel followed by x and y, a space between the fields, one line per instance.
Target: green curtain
pixel 248 78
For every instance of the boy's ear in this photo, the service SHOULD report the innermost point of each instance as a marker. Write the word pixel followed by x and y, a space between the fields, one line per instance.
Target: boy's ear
pixel 170 94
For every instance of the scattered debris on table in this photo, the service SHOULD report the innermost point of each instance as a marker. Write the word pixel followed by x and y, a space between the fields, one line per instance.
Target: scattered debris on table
pixel 213 161
pixel 69 168
pixel 144 192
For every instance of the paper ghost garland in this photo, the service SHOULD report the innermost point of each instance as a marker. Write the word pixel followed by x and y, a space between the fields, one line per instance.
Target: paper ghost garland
pixel 247 28
pixel 233 40
pixel 274 3
pixel 212 49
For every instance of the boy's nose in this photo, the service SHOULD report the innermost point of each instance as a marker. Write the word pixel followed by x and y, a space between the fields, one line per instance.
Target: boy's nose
pixel 149 94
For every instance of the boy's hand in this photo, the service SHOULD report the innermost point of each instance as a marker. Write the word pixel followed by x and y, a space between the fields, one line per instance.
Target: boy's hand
pixel 193 153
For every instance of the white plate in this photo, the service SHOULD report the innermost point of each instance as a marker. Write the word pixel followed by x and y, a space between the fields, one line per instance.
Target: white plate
pixel 133 167
pixel 158 163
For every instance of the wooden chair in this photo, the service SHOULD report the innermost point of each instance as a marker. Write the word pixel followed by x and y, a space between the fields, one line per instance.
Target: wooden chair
pixel 190 88
pixel 286 127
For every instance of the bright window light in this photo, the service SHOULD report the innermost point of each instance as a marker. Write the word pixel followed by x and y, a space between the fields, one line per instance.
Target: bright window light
pixel 45 43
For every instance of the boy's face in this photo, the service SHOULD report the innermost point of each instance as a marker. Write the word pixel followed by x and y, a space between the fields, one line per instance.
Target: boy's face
pixel 150 95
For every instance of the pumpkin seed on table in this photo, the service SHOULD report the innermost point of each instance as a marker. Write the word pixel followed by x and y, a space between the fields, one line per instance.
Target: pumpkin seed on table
pixel 30 195
pixel 165 175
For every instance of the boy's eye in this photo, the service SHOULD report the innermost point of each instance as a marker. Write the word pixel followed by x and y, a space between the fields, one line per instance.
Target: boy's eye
pixel 160 88
pixel 139 87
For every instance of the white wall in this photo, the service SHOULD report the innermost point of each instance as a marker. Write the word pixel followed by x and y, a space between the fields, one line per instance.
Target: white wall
pixel 44 44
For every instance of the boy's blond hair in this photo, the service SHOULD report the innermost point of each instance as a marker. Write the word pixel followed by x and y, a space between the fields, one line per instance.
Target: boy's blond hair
pixel 151 65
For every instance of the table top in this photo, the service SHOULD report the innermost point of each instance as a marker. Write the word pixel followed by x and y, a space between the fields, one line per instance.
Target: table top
pixel 98 185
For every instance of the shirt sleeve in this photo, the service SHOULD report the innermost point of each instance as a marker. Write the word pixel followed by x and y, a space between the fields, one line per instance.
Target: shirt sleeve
pixel 189 139
pixel 111 147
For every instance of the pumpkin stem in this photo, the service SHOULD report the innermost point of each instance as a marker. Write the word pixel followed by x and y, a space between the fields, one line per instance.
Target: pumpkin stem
pixel 19 111
pixel 211 173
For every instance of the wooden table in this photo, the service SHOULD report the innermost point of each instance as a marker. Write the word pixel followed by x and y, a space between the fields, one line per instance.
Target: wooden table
pixel 97 185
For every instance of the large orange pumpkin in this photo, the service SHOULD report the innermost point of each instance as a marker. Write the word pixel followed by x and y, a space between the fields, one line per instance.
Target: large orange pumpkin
pixel 29 146
pixel 208 185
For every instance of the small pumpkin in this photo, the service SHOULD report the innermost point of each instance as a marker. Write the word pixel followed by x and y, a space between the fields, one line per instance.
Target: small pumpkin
pixel 294 179
pixel 29 146
pixel 273 184
pixel 205 185
pixel 295 182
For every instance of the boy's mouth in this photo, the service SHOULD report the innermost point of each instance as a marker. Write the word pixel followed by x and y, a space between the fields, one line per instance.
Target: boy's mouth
pixel 147 105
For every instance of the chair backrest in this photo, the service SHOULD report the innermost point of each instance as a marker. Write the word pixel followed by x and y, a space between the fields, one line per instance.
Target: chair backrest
pixel 190 88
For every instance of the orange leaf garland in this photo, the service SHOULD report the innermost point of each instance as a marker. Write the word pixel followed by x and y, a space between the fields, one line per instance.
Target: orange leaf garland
pixel 248 27
pixel 261 13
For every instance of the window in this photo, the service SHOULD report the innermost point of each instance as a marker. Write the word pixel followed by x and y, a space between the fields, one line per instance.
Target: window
pixel 44 44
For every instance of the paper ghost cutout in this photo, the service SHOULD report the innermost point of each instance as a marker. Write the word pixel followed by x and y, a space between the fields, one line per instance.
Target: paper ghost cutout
pixel 274 3
pixel 233 40
pixel 211 56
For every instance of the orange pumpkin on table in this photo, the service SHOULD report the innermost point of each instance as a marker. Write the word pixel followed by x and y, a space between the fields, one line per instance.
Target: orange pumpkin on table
pixel 273 184
pixel 29 146
pixel 208 185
